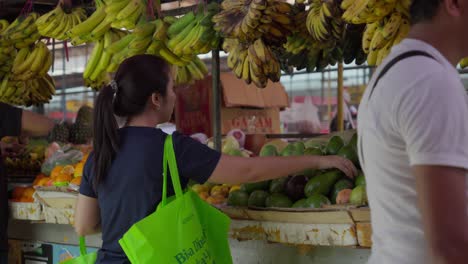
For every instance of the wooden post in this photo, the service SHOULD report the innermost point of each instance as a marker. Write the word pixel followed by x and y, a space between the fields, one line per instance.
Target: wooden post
pixel 340 100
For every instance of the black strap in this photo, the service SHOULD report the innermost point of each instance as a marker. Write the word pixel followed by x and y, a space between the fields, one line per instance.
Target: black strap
pixel 398 58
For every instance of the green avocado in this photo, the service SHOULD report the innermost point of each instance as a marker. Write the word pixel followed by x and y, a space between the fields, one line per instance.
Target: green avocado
pixel 278 200
pixel 316 201
pixel 299 147
pixel 334 145
pixel 250 187
pixel 300 204
pixel 278 185
pixel 340 185
pixel 235 152
pixel 323 183
pixel 360 179
pixel 268 151
pixel 257 198
pixel 238 198
pixel 288 151
pixel 348 152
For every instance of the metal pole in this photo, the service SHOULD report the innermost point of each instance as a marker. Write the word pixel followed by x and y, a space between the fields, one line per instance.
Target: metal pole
pixel 340 101
pixel 64 78
pixel 216 99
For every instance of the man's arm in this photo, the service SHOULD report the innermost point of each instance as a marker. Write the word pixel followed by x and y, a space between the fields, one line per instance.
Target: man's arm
pixel 35 125
pixel 443 204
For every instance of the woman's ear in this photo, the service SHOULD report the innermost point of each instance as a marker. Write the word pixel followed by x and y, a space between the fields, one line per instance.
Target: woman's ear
pixel 156 100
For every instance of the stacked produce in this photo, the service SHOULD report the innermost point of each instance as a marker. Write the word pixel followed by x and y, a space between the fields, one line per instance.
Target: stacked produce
pixel 81 132
pixel 252 29
pixel 57 22
pixel 309 189
pixel 27 160
pixel 387 24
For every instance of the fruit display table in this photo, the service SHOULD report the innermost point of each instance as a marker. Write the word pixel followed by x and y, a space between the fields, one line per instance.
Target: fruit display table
pixel 259 250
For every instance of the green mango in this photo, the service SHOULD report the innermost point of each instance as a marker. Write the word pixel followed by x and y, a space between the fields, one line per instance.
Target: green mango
pixel 323 183
pixel 268 151
pixel 288 151
pixel 334 145
pixel 238 198
pixel 348 152
pixel 358 195
pixel 360 179
pixel 235 152
pixel 300 204
pixel 316 201
pixel 278 185
pixel 258 198
pixel 278 200
pixel 250 187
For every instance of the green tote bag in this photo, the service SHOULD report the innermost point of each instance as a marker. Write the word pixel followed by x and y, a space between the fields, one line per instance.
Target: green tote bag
pixel 183 230
pixel 84 258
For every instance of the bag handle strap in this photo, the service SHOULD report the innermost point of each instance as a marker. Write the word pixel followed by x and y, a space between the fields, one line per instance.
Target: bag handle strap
pixel 83 246
pixel 169 160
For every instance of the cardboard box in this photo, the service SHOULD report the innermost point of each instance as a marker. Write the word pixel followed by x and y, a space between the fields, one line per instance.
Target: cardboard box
pixel 253 110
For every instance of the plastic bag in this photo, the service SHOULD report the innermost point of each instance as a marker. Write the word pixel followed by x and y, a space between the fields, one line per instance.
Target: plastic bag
pixel 302 117
pixel 66 155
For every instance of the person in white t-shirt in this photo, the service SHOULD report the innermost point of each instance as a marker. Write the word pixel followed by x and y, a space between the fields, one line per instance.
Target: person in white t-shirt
pixel 413 141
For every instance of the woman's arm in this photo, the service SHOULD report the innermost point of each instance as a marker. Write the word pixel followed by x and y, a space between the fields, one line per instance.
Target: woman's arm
pixel 235 170
pixel 35 124
pixel 87 216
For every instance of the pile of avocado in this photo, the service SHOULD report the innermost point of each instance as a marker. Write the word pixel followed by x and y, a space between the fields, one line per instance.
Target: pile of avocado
pixel 310 189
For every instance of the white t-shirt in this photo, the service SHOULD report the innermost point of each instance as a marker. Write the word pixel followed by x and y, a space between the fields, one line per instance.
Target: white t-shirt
pixel 417 115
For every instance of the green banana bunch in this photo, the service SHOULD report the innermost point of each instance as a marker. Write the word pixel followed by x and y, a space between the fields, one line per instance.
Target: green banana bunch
pixel 21 33
pixel 27 93
pixel 56 23
pixel 31 62
pixel 3 25
pixel 126 13
pixel 91 29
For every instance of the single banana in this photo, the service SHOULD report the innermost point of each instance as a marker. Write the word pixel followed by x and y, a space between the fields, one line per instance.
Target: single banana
pixel 94 59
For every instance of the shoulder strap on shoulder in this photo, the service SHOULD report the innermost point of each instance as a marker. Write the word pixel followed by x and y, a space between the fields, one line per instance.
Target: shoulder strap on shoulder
pixel 394 61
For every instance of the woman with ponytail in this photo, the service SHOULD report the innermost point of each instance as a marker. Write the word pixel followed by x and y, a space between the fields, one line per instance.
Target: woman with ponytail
pixel 122 181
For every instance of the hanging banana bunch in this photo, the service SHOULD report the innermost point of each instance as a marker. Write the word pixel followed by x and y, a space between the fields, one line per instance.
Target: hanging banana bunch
pixel 56 23
pixel 324 21
pixel 21 33
pixel 193 71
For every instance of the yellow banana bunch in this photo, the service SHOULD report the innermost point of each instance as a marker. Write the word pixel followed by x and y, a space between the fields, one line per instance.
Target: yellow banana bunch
pixel 21 33
pixel 31 62
pixel 324 21
pixel 379 37
pixel 56 23
pixel 192 72
pixel 27 93
pixel 367 11
pixel 249 20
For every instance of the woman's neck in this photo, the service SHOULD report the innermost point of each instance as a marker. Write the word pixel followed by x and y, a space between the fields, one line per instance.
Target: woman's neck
pixel 143 121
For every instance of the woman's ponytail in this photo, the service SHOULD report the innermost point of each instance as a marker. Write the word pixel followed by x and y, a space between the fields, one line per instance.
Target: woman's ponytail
pixel 106 137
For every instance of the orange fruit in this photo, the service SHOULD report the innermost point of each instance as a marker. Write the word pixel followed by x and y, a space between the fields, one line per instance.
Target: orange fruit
pixel 63 177
pixel 29 192
pixel 18 192
pixel 38 179
pixel 26 200
pixel 69 169
pixel 204 195
pixel 43 181
pixel 56 172
pixel 79 169
pixel 76 181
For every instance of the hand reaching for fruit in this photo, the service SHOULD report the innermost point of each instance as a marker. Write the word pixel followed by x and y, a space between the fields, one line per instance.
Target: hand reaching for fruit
pixel 343 164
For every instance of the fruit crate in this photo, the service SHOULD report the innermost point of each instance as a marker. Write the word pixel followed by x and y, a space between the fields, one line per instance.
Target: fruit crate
pixel 59 215
pixel 26 211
